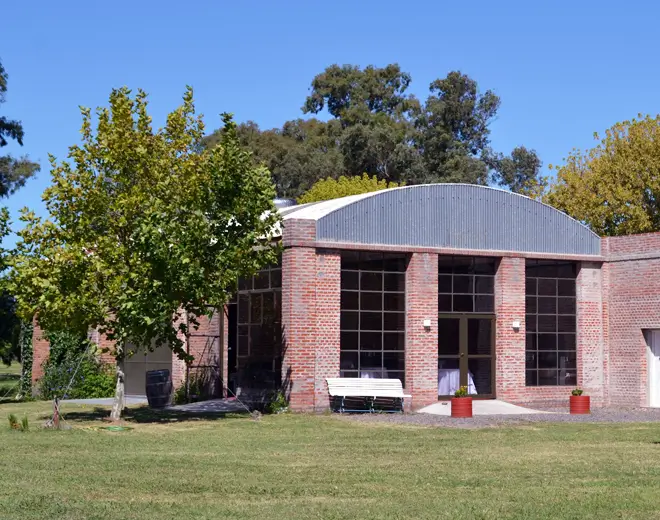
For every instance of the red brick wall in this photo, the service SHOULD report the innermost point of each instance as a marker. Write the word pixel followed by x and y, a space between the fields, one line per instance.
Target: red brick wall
pixel 328 293
pixel 633 275
pixel 422 344
pixel 509 343
pixel 40 349
pixel 590 339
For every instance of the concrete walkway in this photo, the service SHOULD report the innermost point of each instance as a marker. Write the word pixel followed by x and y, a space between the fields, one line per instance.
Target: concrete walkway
pixel 105 401
pixel 482 407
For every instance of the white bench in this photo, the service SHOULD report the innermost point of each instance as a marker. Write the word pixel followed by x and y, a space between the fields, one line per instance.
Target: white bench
pixel 368 389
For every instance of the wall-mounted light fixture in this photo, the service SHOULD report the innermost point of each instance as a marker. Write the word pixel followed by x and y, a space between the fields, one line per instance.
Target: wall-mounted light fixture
pixel 427 324
pixel 516 325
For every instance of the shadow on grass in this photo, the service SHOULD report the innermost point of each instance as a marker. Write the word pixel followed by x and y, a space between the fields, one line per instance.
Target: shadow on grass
pixel 146 415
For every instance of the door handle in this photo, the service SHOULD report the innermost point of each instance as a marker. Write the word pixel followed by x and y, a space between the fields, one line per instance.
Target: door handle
pixel 462 354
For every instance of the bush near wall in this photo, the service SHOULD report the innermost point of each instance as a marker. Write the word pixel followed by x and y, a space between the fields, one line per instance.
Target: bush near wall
pixel 73 370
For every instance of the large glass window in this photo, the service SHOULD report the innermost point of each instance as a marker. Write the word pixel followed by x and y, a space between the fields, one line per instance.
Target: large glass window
pixel 466 284
pixel 550 321
pixel 373 315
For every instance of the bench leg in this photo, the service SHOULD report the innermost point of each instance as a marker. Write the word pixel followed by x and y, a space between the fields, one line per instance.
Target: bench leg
pixel 341 406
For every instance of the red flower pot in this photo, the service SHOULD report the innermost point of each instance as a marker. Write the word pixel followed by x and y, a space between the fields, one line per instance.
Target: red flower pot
pixel 579 404
pixel 461 407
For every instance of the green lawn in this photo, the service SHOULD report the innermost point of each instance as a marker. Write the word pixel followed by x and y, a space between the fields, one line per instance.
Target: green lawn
pixel 295 466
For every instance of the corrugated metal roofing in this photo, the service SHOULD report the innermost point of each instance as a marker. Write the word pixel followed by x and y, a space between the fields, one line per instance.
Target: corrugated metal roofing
pixel 461 216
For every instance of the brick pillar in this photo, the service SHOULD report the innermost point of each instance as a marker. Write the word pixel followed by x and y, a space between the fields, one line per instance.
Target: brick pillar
pixel 40 349
pixel 298 326
pixel 590 345
pixel 328 292
pixel 510 344
pixel 422 344
pixel 204 346
pixel 224 352
pixel 178 366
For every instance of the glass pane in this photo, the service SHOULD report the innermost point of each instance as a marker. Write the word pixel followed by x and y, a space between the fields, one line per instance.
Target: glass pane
pixel 371 340
pixel 484 285
pixel 567 270
pixel 530 378
pixel 530 286
pixel 348 373
pixel 444 303
pixel 445 264
pixel 395 262
pixel 479 336
pixel 350 280
pixel 530 360
pixel 371 360
pixel 348 340
pixel 244 284
pixel 484 303
pixel 463 303
pixel 567 360
pixel 394 301
pixel 484 265
pixel 394 361
pixel 530 323
pixel 348 360
pixel 448 336
pixel 243 308
pixel 394 321
pixel 269 307
pixel 547 287
pixel 547 378
pixel 371 301
pixel 371 261
pixel 350 260
pixel 547 323
pixel 566 342
pixel 262 280
pixel 547 341
pixel 566 323
pixel 371 281
pixel 276 278
pixel 463 284
pixel 566 287
pixel 547 305
pixel 349 320
pixel 463 264
pixel 530 342
pixel 566 305
pixel 530 304
pixel 547 360
pixel 444 283
pixel 546 268
pixel 349 300
pixel 394 341
pixel 479 376
pixel 255 308
pixel 395 282
pixel 371 321
pixel 242 346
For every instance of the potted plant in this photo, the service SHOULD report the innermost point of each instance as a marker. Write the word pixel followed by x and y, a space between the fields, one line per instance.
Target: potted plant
pixel 461 403
pixel 579 403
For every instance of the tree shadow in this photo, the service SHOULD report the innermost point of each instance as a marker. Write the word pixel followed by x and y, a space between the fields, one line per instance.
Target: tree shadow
pixel 146 415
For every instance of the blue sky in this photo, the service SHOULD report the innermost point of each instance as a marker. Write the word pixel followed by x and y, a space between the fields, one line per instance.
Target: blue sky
pixel 562 69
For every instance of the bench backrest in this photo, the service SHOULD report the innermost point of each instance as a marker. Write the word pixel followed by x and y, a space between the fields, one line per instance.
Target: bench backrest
pixel 358 387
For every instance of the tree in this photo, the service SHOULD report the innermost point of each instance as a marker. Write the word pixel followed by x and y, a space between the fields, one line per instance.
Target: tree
pixel 13 172
pixel 145 231
pixel 329 188
pixel 376 127
pixel 614 187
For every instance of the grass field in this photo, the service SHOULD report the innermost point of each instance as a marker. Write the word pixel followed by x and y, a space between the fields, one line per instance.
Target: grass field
pixel 302 467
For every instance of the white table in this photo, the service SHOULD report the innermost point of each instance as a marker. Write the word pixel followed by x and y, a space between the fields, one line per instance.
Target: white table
pixel 449 380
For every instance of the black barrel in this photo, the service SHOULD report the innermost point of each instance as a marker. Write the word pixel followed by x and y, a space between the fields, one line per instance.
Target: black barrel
pixel 159 388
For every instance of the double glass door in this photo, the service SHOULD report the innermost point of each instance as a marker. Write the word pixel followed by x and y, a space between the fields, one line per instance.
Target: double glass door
pixel 465 354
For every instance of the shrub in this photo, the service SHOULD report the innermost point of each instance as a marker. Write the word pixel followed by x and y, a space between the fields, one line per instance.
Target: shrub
pixel 278 404
pixel 461 392
pixel 577 391
pixel 73 371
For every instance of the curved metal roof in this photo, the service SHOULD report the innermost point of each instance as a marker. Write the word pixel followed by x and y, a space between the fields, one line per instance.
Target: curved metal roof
pixel 460 216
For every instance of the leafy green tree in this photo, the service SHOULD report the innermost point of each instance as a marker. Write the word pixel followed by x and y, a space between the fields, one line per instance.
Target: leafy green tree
pixel 377 127
pixel 614 187
pixel 145 231
pixel 13 171
pixel 327 189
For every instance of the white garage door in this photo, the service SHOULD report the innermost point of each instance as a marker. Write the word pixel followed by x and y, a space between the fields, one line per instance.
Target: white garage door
pixel 136 367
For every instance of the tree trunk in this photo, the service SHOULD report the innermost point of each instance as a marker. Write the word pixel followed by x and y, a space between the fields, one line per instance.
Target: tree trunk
pixel 119 403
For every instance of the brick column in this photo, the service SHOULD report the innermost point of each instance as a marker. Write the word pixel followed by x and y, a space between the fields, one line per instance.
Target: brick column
pixel 590 348
pixel 422 344
pixel 224 352
pixel 328 292
pixel 40 350
pixel 299 326
pixel 510 344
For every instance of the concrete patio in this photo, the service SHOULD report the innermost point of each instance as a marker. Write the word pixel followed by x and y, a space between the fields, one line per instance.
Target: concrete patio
pixel 483 407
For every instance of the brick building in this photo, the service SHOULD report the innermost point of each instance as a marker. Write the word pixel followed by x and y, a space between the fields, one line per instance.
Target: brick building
pixel 439 285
